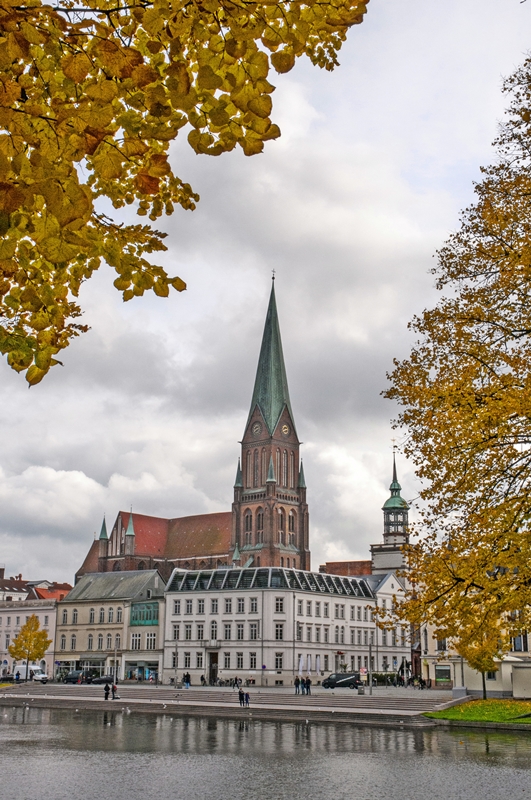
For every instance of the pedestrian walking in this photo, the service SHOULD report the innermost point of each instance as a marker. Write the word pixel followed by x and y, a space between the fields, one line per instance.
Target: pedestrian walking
pixel 241 697
pixel 303 686
pixel 106 691
pixel 113 691
pixel 247 698
pixel 308 686
pixel 297 684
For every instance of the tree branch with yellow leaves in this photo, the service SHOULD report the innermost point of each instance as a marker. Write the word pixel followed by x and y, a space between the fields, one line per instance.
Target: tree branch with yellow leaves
pixel 107 87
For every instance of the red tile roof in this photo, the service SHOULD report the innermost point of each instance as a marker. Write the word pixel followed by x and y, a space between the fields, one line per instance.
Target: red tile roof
pixel 347 568
pixel 90 564
pixel 53 594
pixel 184 537
pixel 151 533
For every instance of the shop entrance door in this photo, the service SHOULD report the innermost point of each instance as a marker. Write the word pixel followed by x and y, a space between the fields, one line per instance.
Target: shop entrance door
pixel 213 667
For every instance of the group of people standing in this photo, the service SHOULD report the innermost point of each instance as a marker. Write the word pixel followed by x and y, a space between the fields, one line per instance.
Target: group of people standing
pixel 303 685
pixel 244 698
pixel 186 680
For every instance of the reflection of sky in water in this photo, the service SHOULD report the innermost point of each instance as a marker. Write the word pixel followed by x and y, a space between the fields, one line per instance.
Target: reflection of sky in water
pixel 56 755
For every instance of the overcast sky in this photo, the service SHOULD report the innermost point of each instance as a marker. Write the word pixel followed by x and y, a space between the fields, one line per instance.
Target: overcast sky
pixel 375 162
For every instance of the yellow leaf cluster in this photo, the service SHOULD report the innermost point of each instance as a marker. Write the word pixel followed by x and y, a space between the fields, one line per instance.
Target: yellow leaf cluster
pixel 465 392
pixel 90 100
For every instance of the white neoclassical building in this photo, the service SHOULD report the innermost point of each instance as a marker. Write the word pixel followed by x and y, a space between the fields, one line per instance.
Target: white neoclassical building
pixel 266 625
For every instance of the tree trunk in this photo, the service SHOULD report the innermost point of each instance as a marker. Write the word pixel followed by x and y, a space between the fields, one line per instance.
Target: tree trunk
pixel 484 686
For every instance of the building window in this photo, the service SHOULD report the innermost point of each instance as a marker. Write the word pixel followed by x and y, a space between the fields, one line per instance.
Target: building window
pixel 109 641
pixel 176 632
pixel 63 642
pixel 253 631
pixel 256 469
pixel 299 632
pixel 239 660
pixel 73 642
pixel 118 615
pixel 259 526
pixel 176 606
pixel 188 631
pixel 441 644
pixel 174 660
pixel 90 642
pixel 151 641
pixel 281 526
pixel 214 606
pixel 200 606
pixel 308 608
pixel 135 641
pixel 239 631
pixel 45 621
pixel 226 660
pixel 74 616
pixel 336 634
pixel 227 630
pixel 317 634
pixel 145 613
pixel 17 621
pixel 228 605
pixel 317 609
pixel 100 641
pixel 365 637
pixel 358 613
pixel 110 615
pixel 254 605
pixel 252 660
pixel 200 631
pixel 279 631
pixel 279 605
pixel 365 615
pixel 65 616
pixel 326 635
pixel 248 527
pixel 300 608
pixel 117 642
pixel 187 660
pixel 189 607
pixel 291 470
pixel 241 605
pixel 325 609
pixel 359 637
pixel 490 676
pixel 102 616
pixel 308 633
pixel 279 660
pixel 384 638
pixel 352 634
pixel 199 660
pixel 325 663
pixel 342 634
pixel 91 616
pixel 393 638
pixel 214 630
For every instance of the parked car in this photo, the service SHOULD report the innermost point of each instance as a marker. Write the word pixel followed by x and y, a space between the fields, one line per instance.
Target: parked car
pixel 338 679
pixel 80 676
pixel 103 679
pixel 38 675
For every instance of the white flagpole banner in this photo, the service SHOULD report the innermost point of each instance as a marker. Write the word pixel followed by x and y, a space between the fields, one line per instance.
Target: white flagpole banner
pixel 301 665
pixel 318 664
pixel 309 663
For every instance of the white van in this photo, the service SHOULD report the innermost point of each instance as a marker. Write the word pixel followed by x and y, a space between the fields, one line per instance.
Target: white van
pixel 38 675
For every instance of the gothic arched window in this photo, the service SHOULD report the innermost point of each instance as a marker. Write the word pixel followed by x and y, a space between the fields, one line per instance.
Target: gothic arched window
pixel 116 566
pixel 256 470
pixel 281 526
pixel 285 468
pixel 141 565
pixel 248 526
pixel 248 471
pixel 277 474
pixel 90 642
pixel 214 630
pixel 260 525
pixel 292 470
pixel 291 527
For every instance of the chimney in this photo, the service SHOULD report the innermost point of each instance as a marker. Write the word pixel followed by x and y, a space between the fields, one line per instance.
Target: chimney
pixel 2 572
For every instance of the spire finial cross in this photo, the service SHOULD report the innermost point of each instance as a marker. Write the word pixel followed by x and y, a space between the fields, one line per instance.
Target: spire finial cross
pixel 273 272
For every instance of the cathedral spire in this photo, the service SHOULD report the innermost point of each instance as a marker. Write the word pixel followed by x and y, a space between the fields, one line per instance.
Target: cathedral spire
pixel 238 483
pixel 103 532
pixel 271 392
pixel 130 527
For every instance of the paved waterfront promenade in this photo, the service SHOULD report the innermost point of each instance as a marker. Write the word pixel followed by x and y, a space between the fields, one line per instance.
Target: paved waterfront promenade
pixel 386 706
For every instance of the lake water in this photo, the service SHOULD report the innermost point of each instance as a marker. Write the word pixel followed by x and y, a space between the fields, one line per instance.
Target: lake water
pixel 62 755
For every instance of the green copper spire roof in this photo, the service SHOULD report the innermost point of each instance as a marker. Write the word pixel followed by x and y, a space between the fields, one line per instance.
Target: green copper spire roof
pixel 271 385
pixel 130 528
pixel 239 476
pixel 302 481
pixel 103 532
pixel 271 472
pixel 395 501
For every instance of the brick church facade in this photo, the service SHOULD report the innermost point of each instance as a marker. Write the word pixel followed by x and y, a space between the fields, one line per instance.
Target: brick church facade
pixel 268 524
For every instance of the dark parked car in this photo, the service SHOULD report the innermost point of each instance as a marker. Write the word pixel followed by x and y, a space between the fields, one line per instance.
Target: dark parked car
pixel 103 679
pixel 80 676
pixel 350 679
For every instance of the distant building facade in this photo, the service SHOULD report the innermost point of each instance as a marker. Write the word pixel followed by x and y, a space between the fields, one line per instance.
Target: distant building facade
pixel 13 615
pixel 267 625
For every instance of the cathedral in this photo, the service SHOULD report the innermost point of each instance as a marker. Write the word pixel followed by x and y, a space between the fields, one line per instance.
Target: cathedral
pixel 268 524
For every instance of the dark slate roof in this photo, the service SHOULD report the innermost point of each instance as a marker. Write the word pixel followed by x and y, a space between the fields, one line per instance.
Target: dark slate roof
pixel 267 578
pixel 114 585
pixel 271 385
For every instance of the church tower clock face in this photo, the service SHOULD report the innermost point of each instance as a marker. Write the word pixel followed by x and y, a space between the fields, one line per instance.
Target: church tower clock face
pixel 285 430
pixel 257 429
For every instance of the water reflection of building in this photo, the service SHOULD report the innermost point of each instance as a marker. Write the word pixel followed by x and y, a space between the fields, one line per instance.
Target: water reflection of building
pixel 111 624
